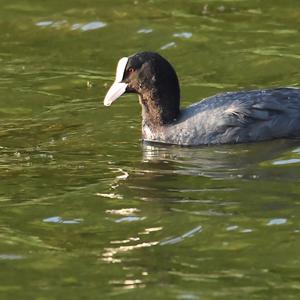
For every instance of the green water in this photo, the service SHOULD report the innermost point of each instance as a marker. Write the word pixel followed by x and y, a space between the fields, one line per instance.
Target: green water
pixel 87 211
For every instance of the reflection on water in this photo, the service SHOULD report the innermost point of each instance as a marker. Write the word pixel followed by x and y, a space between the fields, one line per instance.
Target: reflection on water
pixel 223 161
pixel 189 210
pixel 77 26
pixel 180 238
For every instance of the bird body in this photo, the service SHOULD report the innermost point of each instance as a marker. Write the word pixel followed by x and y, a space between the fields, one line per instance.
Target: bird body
pixel 234 117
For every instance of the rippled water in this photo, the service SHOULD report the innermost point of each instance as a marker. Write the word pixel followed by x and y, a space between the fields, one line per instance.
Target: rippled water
pixel 87 211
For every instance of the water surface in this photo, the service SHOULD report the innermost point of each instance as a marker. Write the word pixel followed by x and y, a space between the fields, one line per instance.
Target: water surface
pixel 87 211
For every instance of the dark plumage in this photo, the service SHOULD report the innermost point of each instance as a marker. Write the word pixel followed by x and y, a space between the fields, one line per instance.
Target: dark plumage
pixel 234 117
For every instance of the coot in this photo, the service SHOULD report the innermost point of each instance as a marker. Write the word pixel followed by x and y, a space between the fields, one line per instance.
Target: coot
pixel 233 117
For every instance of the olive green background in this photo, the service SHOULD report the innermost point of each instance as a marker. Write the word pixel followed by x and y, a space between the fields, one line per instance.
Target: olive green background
pixel 87 211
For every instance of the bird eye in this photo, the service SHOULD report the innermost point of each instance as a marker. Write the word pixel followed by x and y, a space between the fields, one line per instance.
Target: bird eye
pixel 130 70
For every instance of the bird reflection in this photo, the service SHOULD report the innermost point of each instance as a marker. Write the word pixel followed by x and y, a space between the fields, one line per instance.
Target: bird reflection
pixel 217 161
pixel 166 172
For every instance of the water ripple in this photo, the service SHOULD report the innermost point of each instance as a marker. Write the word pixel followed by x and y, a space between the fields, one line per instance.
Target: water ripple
pixel 287 161
pixel 182 237
pixel 278 221
pixel 123 211
pixel 169 45
pixel 129 219
pixel 109 254
pixel 145 30
pixel 59 220
pixel 11 257
pixel 185 35
pixel 44 23
pixel 76 26
pixel 89 26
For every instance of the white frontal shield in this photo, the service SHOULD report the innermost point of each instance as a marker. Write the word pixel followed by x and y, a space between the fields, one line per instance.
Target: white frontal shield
pixel 118 88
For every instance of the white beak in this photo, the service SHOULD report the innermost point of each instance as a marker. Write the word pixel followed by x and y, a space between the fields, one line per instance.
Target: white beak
pixel 118 88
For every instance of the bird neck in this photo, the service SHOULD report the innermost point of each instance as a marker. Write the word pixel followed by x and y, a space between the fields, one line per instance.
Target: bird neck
pixel 158 110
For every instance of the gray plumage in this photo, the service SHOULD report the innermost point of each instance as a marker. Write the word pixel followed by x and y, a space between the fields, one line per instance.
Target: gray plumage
pixel 234 117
